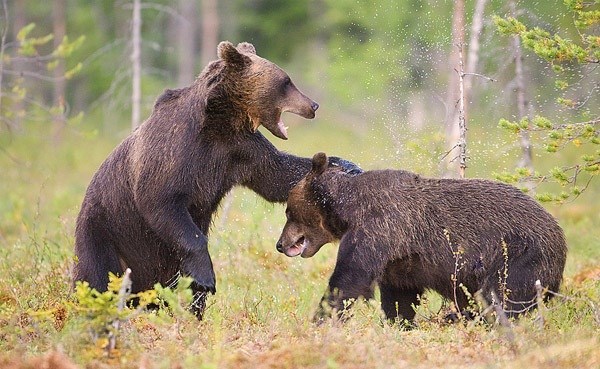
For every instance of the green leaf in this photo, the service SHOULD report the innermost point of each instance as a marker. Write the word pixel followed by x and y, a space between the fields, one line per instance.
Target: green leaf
pixel 509 25
pixel 544 197
pixel 542 122
pixel 561 84
pixel 24 32
pixel 73 71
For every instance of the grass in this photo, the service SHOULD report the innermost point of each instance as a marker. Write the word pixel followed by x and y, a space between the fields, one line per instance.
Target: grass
pixel 260 316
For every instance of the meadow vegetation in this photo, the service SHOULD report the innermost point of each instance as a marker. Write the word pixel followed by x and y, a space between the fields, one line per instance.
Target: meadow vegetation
pixel 260 316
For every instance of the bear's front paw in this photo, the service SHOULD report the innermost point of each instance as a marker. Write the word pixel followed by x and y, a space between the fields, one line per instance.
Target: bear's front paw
pixel 204 286
pixel 348 166
pixel 323 313
pixel 203 275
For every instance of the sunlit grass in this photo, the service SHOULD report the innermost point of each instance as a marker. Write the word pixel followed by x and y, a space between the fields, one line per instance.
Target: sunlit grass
pixel 260 316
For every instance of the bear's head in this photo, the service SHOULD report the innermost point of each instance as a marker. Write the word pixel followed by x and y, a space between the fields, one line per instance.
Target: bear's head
pixel 307 227
pixel 261 89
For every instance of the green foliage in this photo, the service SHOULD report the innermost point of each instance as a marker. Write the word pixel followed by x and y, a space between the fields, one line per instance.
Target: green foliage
pixel 567 59
pixel 66 48
pixel 582 137
pixel 260 317
pixel 102 308
pixel 33 62
pixel 371 52
pixel 28 45
pixel 261 22
pixel 175 301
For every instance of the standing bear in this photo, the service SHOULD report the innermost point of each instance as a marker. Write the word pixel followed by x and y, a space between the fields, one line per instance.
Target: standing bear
pixel 407 234
pixel 149 205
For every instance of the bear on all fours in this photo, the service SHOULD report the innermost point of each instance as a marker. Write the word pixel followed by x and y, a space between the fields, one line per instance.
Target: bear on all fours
pixel 406 233
pixel 150 204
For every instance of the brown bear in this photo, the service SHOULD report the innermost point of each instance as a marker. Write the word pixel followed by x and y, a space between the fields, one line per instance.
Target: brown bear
pixel 407 233
pixel 150 204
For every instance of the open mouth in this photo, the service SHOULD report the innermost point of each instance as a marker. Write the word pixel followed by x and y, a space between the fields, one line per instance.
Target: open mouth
pixel 282 130
pixel 297 248
pixel 278 129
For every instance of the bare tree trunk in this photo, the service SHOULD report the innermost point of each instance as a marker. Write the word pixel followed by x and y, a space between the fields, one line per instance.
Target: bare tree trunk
pixel 210 31
pixel 3 47
pixel 18 22
pixel 522 102
pixel 452 94
pixel 462 120
pixel 473 54
pixel 60 84
pixel 186 39
pixel 136 94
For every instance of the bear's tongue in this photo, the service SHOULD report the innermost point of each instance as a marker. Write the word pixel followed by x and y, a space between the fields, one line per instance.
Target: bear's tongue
pixel 297 248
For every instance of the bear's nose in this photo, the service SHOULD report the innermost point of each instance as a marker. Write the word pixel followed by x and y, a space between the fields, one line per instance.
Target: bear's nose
pixel 279 246
pixel 314 106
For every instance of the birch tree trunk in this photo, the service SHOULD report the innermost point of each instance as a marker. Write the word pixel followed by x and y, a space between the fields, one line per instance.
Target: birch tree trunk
pixel 186 39
pixel 473 53
pixel 3 34
pixel 18 22
pixel 462 121
pixel 522 101
pixel 210 31
pixel 452 93
pixel 136 94
pixel 60 84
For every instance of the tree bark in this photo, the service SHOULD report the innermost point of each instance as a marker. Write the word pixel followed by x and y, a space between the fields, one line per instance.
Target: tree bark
pixel 186 39
pixel 462 120
pixel 210 31
pixel 522 102
pixel 473 53
pixel 18 22
pixel 136 94
pixel 59 21
pixel 3 34
pixel 452 93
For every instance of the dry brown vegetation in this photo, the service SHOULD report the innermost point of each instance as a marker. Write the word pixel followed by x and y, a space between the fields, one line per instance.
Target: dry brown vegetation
pixel 260 316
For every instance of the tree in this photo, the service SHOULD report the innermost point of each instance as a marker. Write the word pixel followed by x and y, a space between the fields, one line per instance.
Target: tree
pixel 522 101
pixel 453 98
pixel 24 58
pixel 59 22
pixel 186 42
pixel 461 74
pixel 210 30
pixel 136 62
pixel 576 66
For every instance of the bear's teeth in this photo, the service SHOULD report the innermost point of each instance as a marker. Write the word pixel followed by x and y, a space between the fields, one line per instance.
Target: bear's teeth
pixel 282 129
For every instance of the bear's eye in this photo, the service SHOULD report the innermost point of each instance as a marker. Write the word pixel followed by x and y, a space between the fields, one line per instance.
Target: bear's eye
pixel 287 82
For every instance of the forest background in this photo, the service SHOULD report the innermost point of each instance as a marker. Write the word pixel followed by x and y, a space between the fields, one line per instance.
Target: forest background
pixel 388 75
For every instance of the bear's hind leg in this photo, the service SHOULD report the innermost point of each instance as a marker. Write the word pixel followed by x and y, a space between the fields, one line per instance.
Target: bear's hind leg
pixel 397 303
pixel 96 257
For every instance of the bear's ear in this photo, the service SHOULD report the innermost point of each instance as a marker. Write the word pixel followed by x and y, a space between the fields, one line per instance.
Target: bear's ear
pixel 246 47
pixel 231 55
pixel 319 163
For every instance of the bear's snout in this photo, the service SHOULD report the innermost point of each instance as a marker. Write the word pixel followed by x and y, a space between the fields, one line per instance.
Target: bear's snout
pixel 314 106
pixel 279 246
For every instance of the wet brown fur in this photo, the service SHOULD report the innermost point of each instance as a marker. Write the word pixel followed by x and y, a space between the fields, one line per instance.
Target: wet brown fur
pixel 408 233
pixel 150 204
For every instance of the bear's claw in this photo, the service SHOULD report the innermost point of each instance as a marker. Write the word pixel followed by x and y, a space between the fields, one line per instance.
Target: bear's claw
pixel 348 166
